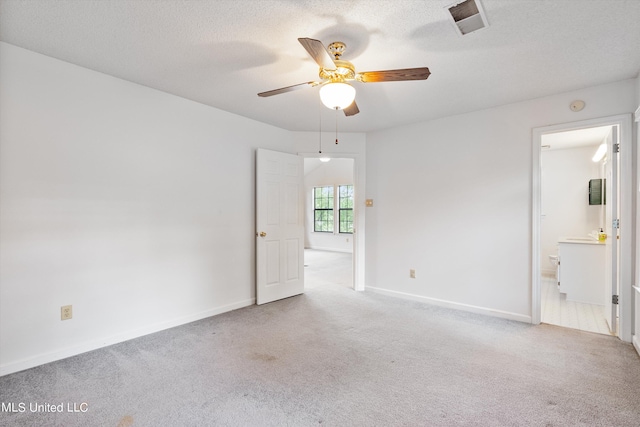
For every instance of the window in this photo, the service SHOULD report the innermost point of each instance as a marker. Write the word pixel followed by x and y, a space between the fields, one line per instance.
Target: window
pixel 323 209
pixel 345 213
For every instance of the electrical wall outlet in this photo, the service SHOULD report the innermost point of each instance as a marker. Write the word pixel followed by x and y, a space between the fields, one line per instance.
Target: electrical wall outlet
pixel 412 273
pixel 66 312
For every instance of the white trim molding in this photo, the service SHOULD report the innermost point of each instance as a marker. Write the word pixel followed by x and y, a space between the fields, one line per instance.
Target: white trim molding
pixel 454 305
pixel 636 336
pixel 329 249
pixel 636 308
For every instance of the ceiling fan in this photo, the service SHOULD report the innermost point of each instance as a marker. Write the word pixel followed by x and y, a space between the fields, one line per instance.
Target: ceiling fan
pixel 335 72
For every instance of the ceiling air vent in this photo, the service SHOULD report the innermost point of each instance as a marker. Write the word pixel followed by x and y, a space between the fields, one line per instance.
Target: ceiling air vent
pixel 467 16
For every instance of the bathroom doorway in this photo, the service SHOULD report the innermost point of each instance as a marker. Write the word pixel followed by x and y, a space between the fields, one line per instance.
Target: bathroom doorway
pixel 563 221
pixel 573 222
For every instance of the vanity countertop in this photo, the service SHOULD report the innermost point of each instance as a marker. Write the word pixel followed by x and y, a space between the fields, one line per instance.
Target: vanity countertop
pixel 580 240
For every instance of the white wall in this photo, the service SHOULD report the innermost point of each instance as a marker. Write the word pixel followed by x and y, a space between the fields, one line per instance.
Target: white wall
pixel 336 172
pixel 452 199
pixel 133 205
pixel 565 201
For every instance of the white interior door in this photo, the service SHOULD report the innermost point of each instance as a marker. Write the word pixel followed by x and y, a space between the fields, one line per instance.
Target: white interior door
pixel 612 242
pixel 279 226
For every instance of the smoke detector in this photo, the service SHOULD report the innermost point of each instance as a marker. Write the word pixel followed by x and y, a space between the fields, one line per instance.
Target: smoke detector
pixel 467 16
pixel 576 106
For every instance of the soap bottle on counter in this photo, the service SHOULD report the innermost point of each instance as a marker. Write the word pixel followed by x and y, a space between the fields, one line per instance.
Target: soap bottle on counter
pixel 602 236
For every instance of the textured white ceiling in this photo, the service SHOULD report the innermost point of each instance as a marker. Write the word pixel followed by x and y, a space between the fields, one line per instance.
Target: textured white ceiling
pixel 222 53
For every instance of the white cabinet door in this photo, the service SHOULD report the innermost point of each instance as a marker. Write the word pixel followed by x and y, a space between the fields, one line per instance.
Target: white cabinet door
pixel 583 272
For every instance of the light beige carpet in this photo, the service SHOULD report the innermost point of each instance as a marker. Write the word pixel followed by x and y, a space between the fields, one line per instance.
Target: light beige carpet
pixel 326 267
pixel 341 358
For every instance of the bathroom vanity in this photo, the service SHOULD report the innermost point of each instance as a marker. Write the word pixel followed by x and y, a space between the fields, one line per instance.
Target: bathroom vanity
pixel 581 273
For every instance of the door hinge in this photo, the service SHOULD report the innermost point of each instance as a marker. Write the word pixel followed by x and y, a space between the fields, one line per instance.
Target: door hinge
pixel 614 299
pixel 616 148
pixel 616 223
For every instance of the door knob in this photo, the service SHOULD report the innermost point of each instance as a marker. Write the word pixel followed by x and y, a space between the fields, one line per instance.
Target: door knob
pixel 263 234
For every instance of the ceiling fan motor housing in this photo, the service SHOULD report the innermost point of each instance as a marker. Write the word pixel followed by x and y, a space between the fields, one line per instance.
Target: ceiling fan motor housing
pixel 344 71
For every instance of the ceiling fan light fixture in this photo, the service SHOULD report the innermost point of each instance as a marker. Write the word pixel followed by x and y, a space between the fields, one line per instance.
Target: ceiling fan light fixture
pixel 337 95
pixel 334 72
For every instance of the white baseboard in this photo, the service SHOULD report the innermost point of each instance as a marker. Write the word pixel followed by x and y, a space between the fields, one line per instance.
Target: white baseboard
pixel 454 305
pixel 636 338
pixel 41 359
pixel 320 248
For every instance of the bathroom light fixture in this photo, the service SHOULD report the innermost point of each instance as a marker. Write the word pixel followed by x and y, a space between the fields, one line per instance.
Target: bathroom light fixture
pixel 337 95
pixel 602 150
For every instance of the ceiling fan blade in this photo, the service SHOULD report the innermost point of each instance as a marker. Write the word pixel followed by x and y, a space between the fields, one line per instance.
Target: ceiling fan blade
pixel 287 89
pixel 352 109
pixel 318 52
pixel 394 75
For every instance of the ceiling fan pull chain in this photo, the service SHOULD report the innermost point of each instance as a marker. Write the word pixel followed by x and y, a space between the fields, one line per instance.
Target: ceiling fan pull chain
pixel 320 131
pixel 336 126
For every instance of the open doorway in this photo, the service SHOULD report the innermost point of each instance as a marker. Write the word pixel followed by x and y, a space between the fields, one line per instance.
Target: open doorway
pixel 329 188
pixel 574 167
pixel 617 225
